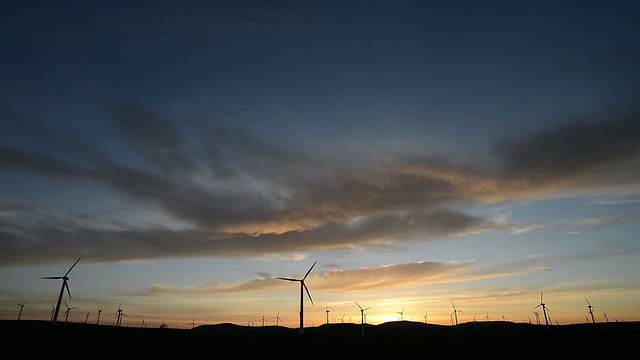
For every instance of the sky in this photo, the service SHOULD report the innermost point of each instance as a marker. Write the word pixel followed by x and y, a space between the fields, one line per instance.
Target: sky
pixel 420 153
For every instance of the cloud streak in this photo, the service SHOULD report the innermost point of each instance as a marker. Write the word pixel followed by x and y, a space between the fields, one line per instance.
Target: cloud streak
pixel 239 195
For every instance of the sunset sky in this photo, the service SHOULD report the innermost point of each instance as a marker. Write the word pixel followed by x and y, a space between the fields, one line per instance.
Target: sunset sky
pixel 422 152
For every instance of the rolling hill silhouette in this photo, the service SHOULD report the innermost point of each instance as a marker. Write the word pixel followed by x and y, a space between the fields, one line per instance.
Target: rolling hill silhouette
pixel 397 340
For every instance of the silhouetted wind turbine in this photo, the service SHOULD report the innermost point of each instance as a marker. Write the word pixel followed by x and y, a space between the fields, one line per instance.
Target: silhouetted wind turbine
pixel 544 309
pixel 53 310
pixel 425 317
pixel 362 316
pixel 119 315
pixel 537 317
pixel 142 325
pixel 66 313
pixel 401 314
pixel 591 307
pixel 86 318
pixel 277 317
pixel 64 278
pixel 604 315
pixel 303 287
pixel 99 312
pixel 21 306
pixel 326 309
pixel 455 312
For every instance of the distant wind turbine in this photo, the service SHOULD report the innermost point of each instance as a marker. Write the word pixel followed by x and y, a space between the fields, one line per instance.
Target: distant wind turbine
pixel 86 318
pixel 21 306
pixel 65 285
pixel 591 307
pixel 119 315
pixel 544 309
pixel 99 312
pixel 362 318
pixel 326 309
pixel 455 312
pixel 303 287
pixel 277 317
pixel 401 314
pixel 142 325
pixel 66 313
pixel 604 315
pixel 537 317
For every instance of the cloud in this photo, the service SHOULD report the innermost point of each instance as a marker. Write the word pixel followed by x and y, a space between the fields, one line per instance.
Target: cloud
pixel 384 277
pixel 239 195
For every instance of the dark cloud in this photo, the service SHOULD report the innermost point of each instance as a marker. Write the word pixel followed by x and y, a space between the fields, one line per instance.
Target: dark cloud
pixel 243 196
pixel 576 148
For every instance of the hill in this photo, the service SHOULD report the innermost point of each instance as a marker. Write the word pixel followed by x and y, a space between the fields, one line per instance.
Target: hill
pixel 476 340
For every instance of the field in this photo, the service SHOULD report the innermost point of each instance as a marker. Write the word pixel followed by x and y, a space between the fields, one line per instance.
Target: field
pixel 475 340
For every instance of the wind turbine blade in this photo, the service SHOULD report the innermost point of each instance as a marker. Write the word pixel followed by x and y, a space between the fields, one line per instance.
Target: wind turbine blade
pixel 358 305
pixel 308 293
pixel 537 306
pixel 72 266
pixel 288 279
pixel 66 285
pixel 51 277
pixel 305 275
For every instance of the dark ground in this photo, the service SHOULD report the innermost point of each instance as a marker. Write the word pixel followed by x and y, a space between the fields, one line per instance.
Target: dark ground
pixel 481 340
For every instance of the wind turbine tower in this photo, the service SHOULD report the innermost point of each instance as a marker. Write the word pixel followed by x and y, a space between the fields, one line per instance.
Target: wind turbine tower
pixel 401 314
pixel 99 312
pixel 544 309
pixel 66 313
pixel 277 317
pixel 537 317
pixel 119 315
pixel 303 287
pixel 591 307
pixel 21 306
pixel 326 309
pixel 455 312
pixel 362 316
pixel 65 285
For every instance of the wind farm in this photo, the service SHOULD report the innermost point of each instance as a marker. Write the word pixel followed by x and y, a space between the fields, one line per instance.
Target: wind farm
pixel 449 178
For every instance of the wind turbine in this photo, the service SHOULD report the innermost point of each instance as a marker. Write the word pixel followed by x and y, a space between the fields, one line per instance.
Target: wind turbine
pixel 53 310
pixel 537 317
pixel 544 309
pixel 86 318
pixel 277 317
pixel 591 307
pixel 426 319
pixel 64 278
pixel 455 312
pixel 604 314
pixel 302 288
pixel 66 313
pixel 326 309
pixel 21 306
pixel 362 316
pixel 99 312
pixel 119 315
pixel 401 314
pixel 143 319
